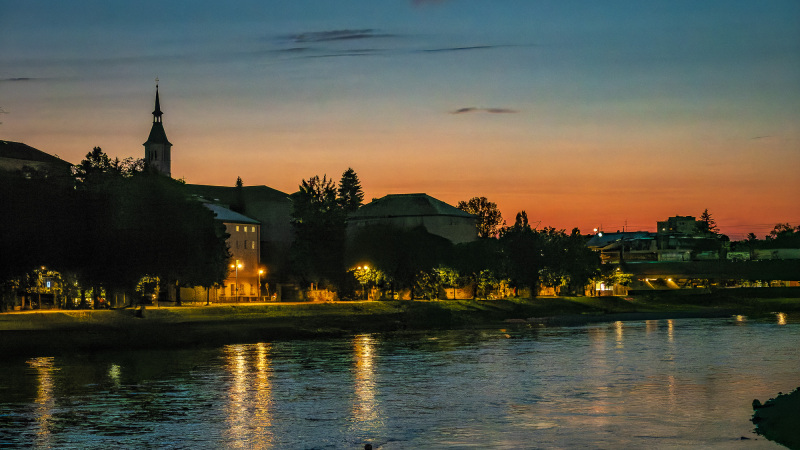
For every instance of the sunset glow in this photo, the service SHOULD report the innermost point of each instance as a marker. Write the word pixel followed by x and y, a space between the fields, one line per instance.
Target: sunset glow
pixel 585 114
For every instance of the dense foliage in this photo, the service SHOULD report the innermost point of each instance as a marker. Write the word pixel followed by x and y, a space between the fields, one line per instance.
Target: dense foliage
pixel 489 218
pixel 109 227
pixel 319 219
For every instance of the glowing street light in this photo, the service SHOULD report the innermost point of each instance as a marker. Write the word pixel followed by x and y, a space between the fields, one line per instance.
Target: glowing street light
pixel 260 272
pixel 362 272
pixel 236 267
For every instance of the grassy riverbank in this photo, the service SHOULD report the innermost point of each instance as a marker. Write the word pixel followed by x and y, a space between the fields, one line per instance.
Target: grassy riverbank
pixel 50 332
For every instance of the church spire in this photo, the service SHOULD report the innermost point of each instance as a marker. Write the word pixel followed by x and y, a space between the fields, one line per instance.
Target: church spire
pixel 157 112
pixel 158 149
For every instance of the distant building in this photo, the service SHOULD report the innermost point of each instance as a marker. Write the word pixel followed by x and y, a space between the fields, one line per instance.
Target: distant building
pixel 678 225
pixel 16 156
pixel 157 148
pixel 241 209
pixel 408 211
pixel 244 245
pixel 270 207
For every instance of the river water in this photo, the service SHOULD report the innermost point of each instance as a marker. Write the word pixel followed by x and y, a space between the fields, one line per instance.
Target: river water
pixel 655 384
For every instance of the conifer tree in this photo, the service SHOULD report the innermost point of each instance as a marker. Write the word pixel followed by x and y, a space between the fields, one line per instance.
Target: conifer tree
pixel 350 195
pixel 706 223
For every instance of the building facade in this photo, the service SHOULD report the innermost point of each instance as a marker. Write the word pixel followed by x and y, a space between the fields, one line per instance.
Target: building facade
pixel 244 244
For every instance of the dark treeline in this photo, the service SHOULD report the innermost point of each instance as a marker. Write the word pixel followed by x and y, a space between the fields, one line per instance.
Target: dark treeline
pixel 391 259
pixel 111 225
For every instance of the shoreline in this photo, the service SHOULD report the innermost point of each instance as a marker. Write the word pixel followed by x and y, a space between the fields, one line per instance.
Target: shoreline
pixel 53 332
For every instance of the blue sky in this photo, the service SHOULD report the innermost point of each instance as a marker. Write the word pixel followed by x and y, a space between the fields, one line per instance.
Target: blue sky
pixel 581 113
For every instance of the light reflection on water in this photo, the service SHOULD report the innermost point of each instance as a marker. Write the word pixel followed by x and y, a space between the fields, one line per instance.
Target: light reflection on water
pixel 44 399
pixel 672 383
pixel 248 396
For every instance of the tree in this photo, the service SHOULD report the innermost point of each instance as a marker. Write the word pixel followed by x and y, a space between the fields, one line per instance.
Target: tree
pixel 319 226
pixel 351 197
pixel 399 254
pixel 521 220
pixel 523 250
pixel 489 218
pixel 239 204
pixel 116 224
pixel 706 224
pixel 99 167
pixel 781 230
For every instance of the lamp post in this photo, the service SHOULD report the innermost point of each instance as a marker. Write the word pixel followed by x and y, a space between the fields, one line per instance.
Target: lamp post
pixel 236 268
pixel 260 272
pixel 362 278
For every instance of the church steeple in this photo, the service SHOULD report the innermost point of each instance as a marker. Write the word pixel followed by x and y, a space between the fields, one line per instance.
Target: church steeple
pixel 158 149
pixel 157 112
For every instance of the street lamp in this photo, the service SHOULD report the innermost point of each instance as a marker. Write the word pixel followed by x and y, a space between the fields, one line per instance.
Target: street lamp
pixel 362 277
pixel 260 272
pixel 236 267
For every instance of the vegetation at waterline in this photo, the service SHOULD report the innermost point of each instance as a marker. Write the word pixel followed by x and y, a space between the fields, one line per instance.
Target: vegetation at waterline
pixel 24 332
pixel 777 418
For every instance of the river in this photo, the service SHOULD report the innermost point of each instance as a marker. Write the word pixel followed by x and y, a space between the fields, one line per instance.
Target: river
pixel 655 384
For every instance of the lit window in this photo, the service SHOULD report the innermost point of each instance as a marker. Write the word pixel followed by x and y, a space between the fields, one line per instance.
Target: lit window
pixel 237 227
pixel 253 244
pixel 253 229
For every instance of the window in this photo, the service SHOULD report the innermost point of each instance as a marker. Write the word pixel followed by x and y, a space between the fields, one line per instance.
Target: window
pixel 253 245
pixel 253 229
pixel 237 244
pixel 245 243
pixel 237 227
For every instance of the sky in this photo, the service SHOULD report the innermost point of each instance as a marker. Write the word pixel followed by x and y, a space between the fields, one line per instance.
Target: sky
pixel 612 114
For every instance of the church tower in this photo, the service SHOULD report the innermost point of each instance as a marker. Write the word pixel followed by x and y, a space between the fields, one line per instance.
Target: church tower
pixel 157 149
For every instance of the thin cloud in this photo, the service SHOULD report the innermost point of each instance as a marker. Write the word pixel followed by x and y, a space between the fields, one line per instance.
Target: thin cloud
pixel 472 109
pixel 337 35
pixel 353 52
pixel 461 49
pixel 17 79
pixel 427 2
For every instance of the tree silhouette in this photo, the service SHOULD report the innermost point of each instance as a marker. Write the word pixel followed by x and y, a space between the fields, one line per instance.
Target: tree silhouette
pixel 706 223
pixel 319 226
pixel 489 218
pixel 350 195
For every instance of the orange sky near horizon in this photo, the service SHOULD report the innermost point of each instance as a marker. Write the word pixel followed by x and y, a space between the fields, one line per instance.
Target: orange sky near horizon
pixel 584 114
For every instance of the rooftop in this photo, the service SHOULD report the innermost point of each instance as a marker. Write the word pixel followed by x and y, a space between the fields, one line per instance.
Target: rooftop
pixel 227 194
pixel 18 150
pixel 404 205
pixel 226 215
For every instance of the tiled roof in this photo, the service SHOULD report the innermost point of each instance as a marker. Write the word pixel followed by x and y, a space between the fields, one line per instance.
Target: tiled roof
pixel 18 150
pixel 403 205
pixel 227 194
pixel 226 215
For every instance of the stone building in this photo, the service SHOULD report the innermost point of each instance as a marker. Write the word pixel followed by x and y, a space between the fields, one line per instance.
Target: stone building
pixel 408 211
pixel 16 156
pixel 244 245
